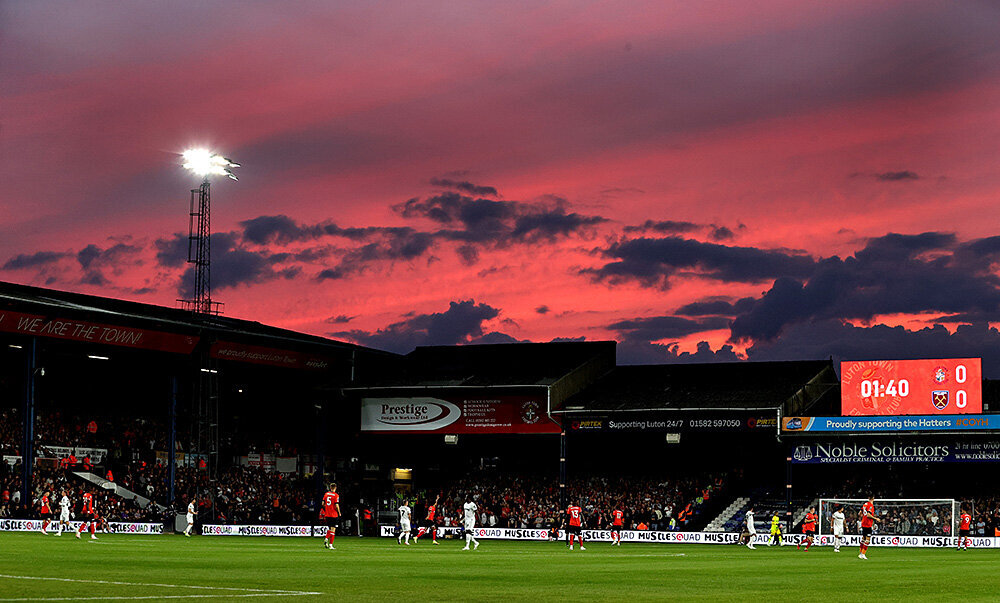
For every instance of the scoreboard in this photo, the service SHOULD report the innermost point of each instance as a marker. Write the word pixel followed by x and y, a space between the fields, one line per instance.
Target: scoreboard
pixel 911 387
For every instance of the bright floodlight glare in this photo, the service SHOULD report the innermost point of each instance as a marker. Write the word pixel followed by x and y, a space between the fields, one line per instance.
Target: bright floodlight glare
pixel 206 163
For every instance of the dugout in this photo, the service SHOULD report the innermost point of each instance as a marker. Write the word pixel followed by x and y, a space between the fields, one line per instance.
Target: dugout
pixel 88 355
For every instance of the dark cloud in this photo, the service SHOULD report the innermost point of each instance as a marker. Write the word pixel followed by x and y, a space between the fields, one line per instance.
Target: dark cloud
pixel 92 256
pixel 469 254
pixel 496 337
pixel 626 190
pixel 340 319
pixel 396 244
pixel 497 223
pixel 665 327
pixel 722 233
pixel 96 260
pixel 716 307
pixel 550 224
pixel 665 226
pixel 634 352
pixel 651 262
pixel 172 252
pixel 278 229
pixel 894 274
pixel 465 187
pixel 897 176
pixel 542 309
pixel 472 222
pixel 88 255
pixel 636 336
pixel 461 323
pixel 33 260
pixel 842 341
pixel 94 277
pixel 232 265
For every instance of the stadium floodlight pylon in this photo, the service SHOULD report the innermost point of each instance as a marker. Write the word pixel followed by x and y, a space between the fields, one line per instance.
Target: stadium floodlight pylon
pixel 206 164
pixel 206 389
pixel 923 516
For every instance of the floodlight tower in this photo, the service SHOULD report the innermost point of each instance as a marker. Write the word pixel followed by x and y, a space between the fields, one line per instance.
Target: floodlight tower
pixel 204 163
pixel 205 381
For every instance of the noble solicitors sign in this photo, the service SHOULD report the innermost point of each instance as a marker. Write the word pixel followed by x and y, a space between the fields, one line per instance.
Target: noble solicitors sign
pixel 898 452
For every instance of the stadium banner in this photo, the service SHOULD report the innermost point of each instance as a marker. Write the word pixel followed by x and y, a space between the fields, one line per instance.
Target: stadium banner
pixel 96 454
pixel 945 386
pixel 94 332
pixel 267 462
pixel 226 350
pixel 897 452
pixel 647 536
pixel 457 415
pixel 890 424
pixel 114 527
pixel 677 422
pixel 254 530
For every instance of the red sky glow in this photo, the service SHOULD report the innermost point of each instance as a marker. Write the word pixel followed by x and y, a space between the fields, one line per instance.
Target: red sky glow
pixel 699 181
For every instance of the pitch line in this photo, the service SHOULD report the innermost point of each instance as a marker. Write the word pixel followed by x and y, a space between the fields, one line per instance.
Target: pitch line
pixel 232 591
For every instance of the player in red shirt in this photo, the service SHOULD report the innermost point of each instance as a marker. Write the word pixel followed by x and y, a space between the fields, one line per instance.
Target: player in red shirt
pixel 431 523
pixel 88 516
pixel 45 512
pixel 575 525
pixel 617 520
pixel 868 520
pixel 808 528
pixel 330 512
pixel 964 527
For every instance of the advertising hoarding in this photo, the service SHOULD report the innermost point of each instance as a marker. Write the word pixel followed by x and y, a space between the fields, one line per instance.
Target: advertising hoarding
pixel 457 414
pixel 867 452
pixel 942 423
pixel 765 421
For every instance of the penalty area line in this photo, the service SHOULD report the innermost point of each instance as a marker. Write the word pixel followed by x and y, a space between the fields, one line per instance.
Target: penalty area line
pixel 221 591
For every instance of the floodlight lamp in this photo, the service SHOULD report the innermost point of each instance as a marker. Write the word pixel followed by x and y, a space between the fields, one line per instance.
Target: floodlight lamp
pixel 206 163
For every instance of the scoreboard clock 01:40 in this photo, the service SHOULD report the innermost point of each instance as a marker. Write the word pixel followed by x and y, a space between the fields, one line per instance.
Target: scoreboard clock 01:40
pixel 943 386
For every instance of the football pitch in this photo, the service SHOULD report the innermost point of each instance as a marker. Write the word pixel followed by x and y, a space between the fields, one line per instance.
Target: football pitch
pixel 34 567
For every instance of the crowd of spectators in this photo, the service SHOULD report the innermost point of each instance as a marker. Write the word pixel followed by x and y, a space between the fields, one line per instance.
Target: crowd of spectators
pixel 251 495
pixel 54 481
pixel 241 494
pixel 529 502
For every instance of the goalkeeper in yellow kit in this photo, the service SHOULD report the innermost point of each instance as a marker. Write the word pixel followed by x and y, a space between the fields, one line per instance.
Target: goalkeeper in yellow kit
pixel 776 530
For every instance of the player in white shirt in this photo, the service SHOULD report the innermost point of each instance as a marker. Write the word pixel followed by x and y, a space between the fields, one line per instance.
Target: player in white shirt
pixel 190 519
pixel 751 528
pixel 64 506
pixel 838 528
pixel 469 509
pixel 404 522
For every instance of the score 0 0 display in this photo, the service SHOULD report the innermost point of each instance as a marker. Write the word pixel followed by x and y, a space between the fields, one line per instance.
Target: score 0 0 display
pixel 911 387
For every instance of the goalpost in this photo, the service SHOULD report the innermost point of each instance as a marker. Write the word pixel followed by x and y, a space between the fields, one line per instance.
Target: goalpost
pixel 897 516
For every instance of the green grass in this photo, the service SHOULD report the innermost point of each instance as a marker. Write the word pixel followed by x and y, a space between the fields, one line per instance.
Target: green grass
pixel 378 570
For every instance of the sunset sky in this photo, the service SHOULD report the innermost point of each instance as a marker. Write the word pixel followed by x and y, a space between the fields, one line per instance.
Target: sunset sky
pixel 697 180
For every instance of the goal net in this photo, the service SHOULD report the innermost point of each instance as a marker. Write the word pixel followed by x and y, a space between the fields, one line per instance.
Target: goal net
pixel 896 516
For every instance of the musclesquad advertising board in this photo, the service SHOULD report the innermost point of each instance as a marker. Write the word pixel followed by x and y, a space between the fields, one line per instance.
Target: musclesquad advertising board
pixel 457 414
pixel 945 386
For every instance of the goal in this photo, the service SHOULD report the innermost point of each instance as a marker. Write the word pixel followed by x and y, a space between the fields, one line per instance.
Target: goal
pixel 897 516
